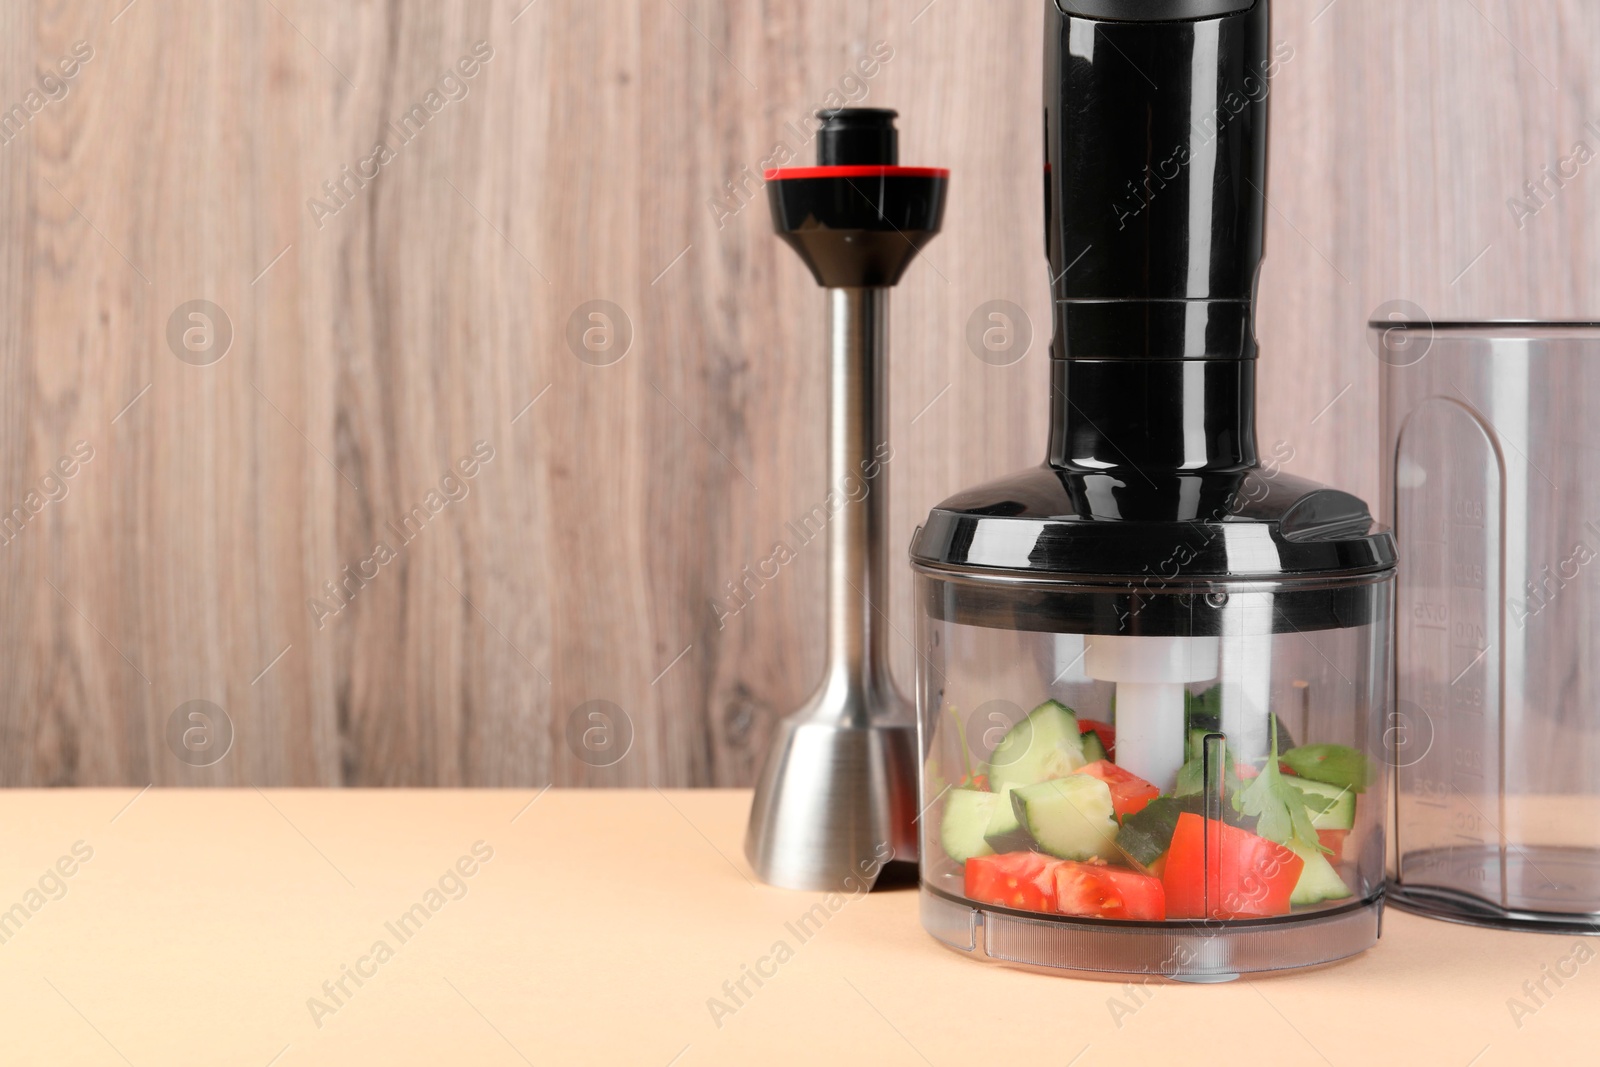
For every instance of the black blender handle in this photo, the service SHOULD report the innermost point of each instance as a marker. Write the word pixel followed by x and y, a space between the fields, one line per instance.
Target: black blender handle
pixel 1156 136
pixel 1155 218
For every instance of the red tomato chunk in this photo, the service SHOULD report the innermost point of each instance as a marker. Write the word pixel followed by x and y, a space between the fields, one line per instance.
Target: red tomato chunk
pixel 1101 892
pixel 1333 841
pixel 1029 881
pixel 1216 871
pixel 1106 732
pixel 1023 880
pixel 1129 792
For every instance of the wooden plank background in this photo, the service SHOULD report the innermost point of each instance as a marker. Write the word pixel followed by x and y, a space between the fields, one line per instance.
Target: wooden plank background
pixel 373 346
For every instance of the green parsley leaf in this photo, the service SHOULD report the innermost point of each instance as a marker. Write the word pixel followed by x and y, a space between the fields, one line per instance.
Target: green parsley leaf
pixel 1283 811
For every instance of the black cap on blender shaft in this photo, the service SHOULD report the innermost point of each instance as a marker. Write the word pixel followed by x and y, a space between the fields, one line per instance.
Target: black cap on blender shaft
pixel 857 136
pixel 858 218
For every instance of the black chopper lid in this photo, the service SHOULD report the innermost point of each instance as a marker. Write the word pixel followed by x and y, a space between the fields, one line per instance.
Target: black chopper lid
pixel 1046 524
pixel 1072 551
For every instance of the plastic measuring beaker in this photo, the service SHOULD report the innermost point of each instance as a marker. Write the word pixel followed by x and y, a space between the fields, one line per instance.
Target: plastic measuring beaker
pixel 1491 470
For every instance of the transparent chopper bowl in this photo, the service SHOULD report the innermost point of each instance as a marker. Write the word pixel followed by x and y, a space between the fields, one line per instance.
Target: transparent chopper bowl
pixel 1180 675
pixel 1491 453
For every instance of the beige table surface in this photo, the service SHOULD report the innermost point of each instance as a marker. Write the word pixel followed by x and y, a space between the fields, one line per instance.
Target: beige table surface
pixel 603 923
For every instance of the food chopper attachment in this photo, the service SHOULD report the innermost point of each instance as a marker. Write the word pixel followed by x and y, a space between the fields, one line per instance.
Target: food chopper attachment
pixel 836 801
pixel 1154 670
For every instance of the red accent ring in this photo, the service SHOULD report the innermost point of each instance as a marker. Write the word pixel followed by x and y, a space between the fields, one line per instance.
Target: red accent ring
pixel 776 174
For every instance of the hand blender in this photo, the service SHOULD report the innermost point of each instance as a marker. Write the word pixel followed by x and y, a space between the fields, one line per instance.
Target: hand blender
pixel 836 801
pixel 1202 637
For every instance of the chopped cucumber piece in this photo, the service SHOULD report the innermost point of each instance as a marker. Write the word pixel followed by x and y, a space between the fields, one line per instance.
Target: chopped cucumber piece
pixel 966 815
pixel 1333 807
pixel 1191 775
pixel 1146 835
pixel 1333 764
pixel 1004 832
pixel 1318 880
pixel 1042 746
pixel 1196 745
pixel 1199 728
pixel 1071 818
pixel 1093 749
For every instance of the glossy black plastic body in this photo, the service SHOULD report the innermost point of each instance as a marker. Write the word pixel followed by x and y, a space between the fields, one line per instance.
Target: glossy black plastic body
pixel 1155 137
pixel 1156 142
pixel 858 218
pixel 1156 152
pixel 858 230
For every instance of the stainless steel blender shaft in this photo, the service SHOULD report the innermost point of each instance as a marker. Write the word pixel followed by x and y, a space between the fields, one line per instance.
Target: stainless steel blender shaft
pixel 836 799
pixel 858 582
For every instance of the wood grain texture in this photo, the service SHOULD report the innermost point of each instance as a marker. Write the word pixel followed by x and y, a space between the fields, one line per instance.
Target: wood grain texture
pixel 582 162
